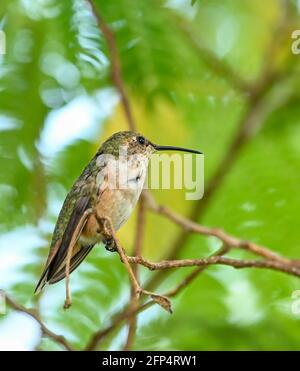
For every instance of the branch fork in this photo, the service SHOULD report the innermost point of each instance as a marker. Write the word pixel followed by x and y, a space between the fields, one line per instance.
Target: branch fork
pixel 108 228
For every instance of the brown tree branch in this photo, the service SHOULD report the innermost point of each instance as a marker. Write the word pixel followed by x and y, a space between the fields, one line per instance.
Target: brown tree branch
pixel 34 314
pixel 116 69
pixel 252 117
pixel 290 267
pixel 116 74
pixel 125 314
pixel 272 261
pixel 213 62
pixel 251 120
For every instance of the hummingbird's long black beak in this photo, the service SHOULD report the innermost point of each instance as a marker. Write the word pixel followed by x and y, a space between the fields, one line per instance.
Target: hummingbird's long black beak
pixel 173 148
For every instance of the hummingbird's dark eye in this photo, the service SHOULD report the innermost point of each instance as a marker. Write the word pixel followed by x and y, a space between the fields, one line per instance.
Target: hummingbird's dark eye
pixel 141 140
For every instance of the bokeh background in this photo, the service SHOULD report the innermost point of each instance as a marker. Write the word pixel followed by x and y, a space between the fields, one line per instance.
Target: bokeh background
pixel 195 75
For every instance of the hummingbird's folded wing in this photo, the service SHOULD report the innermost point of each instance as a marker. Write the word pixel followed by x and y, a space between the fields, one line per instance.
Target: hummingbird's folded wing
pixel 56 261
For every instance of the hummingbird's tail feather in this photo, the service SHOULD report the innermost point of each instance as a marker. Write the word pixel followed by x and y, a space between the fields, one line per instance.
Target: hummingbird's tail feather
pixel 75 261
pixel 42 282
pixel 57 258
pixel 61 273
pixel 76 220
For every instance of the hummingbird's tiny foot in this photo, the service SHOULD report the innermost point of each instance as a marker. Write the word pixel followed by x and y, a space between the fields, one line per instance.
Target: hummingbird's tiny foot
pixel 110 244
pixel 67 303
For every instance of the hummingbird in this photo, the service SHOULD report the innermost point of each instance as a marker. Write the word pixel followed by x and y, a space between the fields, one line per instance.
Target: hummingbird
pixel 103 186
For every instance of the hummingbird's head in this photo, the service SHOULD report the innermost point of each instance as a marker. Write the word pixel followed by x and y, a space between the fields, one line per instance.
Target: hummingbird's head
pixel 131 142
pixel 135 143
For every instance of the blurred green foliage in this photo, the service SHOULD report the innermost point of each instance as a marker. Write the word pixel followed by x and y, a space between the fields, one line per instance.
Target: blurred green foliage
pixel 55 55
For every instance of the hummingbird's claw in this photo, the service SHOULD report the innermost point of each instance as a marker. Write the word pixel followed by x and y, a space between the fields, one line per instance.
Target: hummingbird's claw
pixel 110 244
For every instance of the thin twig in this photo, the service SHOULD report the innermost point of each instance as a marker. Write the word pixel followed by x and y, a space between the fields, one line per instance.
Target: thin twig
pixel 167 264
pixel 228 240
pixel 194 274
pixel 45 331
pixel 137 251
